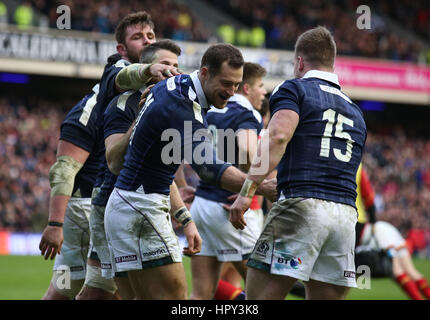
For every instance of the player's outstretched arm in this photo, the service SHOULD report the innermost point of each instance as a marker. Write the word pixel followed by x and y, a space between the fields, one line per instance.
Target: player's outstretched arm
pixel 138 75
pixel 181 214
pixel 280 131
pixel 70 160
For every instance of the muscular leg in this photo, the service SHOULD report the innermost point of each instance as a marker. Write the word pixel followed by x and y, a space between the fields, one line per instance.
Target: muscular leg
pixel 159 283
pixel 397 267
pixel 230 274
pixel 409 267
pixel 63 294
pixel 241 267
pixel 205 276
pixel 94 293
pixel 317 290
pixel 124 288
pixel 261 285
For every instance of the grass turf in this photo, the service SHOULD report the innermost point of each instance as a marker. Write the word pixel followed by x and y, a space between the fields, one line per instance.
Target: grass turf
pixel 27 278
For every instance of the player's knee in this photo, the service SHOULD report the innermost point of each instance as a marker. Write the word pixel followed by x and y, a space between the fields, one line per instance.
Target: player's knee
pixel 63 287
pixel 94 279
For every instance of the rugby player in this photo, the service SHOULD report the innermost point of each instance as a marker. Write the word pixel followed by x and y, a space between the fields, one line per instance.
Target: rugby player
pixel 221 241
pixel 79 155
pixel 137 220
pixel 315 138
pixel 117 124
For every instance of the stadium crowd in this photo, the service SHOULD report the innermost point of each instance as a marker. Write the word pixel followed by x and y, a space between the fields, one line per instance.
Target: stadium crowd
pixel 28 140
pixel 284 20
pixel 279 22
pixel 174 20
pixel 398 166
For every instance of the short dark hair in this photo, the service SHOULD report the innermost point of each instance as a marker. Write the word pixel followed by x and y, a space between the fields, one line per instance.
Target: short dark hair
pixel 251 72
pixel 317 46
pixel 141 17
pixel 217 54
pixel 148 53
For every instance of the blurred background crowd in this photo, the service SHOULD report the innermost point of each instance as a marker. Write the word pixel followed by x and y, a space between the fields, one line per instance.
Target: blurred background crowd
pixel 400 30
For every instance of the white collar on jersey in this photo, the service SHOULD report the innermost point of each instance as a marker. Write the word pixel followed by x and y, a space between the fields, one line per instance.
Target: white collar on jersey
pixel 240 99
pixel 324 75
pixel 198 86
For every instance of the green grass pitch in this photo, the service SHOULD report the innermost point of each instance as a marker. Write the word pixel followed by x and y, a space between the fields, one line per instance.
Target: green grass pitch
pixel 27 277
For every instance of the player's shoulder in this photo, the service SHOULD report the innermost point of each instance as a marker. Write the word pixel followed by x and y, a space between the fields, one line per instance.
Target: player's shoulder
pixel 287 87
pixel 124 101
pixel 244 111
pixel 81 112
pixel 179 89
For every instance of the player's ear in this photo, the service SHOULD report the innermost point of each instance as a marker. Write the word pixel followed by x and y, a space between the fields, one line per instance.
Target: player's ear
pixel 245 88
pixel 301 63
pixel 121 49
pixel 204 72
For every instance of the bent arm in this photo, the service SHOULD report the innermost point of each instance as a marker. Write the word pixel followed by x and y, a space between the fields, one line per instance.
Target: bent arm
pixel 116 147
pixel 273 144
pixel 70 160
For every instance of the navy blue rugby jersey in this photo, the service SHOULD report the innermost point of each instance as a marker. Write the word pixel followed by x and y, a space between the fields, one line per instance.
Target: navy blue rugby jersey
pixel 171 126
pixel 238 114
pixel 80 128
pixel 323 156
pixel 118 117
pixel 106 94
pixel 82 125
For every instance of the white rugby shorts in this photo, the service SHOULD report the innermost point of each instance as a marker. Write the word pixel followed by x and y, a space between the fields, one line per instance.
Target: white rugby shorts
pixel 98 242
pixel 219 237
pixel 139 230
pixel 76 232
pixel 308 239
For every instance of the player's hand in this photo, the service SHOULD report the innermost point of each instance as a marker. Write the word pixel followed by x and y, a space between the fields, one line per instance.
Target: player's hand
pixel 237 211
pixel 268 189
pixel 160 72
pixel 144 95
pixel 233 197
pixel 51 242
pixel 193 238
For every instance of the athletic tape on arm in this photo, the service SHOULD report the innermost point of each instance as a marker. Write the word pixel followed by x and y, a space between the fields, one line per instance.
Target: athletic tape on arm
pixel 62 175
pixel 133 77
pixel 183 216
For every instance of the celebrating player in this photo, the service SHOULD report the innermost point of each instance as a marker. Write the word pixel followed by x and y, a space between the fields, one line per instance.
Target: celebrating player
pixel 137 220
pixel 221 241
pixel 316 138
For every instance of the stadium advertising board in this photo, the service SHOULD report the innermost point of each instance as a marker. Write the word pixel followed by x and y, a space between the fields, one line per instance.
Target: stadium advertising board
pixel 83 55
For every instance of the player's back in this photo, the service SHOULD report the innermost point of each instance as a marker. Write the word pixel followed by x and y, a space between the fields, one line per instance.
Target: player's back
pixel 322 158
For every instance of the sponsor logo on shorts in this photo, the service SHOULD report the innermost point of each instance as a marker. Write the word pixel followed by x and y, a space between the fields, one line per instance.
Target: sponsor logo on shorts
pixel 76 268
pixel 227 251
pixel 126 258
pixel 106 266
pixel 154 253
pixel 294 263
pixel 349 274
pixel 262 248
